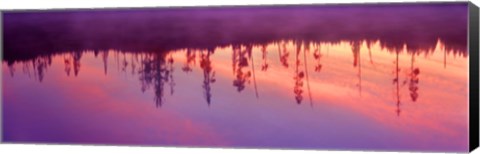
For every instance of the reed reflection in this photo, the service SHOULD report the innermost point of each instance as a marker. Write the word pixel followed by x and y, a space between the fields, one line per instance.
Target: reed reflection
pixel 190 61
pixel 357 63
pixel 414 80
pixel 317 55
pixel 155 70
pixel 240 63
pixel 208 74
pixel 299 76
pixel 37 67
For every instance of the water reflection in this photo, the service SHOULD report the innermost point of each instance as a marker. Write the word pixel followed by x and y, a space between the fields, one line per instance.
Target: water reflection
pixel 208 74
pixel 270 77
pixel 156 70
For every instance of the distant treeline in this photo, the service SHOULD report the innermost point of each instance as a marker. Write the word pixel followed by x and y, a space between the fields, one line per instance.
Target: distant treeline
pixel 28 34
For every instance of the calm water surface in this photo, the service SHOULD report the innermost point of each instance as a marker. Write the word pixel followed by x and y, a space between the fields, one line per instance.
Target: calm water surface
pixel 346 94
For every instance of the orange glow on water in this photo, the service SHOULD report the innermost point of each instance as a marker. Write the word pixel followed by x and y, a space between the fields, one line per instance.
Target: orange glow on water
pixel 419 95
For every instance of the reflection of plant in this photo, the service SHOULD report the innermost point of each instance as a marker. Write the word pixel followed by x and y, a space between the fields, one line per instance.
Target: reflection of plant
pixel 356 52
pixel 157 69
pixel 76 62
pixel 396 82
pixel 105 61
pixel 264 58
pixel 39 66
pixel 11 69
pixel 190 60
pixel 357 62
pixel 208 74
pixel 299 75
pixel 298 87
pixel 134 60
pixel 284 55
pixel 413 84
pixel 317 55
pixel 170 74
pixel 153 71
pixel 241 60
pixel 369 47
pixel 68 66
pixel 124 63
pixel 68 60
pixel 412 81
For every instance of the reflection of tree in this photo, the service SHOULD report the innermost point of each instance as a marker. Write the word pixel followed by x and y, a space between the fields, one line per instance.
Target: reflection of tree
pixel 105 61
pixel 117 59
pixel 299 75
pixel 124 64
pixel 170 74
pixel 40 66
pixel 95 53
pixel 11 69
pixel 396 82
pixel 307 48
pixel 25 68
pixel 133 61
pixel 236 49
pixel 190 60
pixel 240 61
pixel 357 62
pixel 249 51
pixel 413 84
pixel 369 47
pixel 444 58
pixel 356 52
pixel 76 62
pixel 208 74
pixel 284 55
pixel 68 65
pixel 153 71
pixel 264 58
pixel 317 55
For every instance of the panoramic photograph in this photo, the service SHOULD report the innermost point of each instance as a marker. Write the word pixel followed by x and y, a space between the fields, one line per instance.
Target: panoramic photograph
pixel 383 77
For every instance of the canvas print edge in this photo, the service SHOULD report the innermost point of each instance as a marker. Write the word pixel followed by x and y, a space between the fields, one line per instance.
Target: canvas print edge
pixel 474 77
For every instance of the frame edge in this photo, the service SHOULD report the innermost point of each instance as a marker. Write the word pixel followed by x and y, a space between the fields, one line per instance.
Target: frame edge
pixel 473 47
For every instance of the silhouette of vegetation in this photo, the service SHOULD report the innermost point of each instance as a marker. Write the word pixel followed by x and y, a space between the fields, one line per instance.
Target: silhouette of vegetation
pixel 357 62
pixel 264 58
pixel 414 80
pixel 299 75
pixel 156 70
pixel 105 61
pixel 208 74
pixel 153 72
pixel 190 56
pixel 76 62
pixel 68 65
pixel 240 62
pixel 317 55
pixel 284 55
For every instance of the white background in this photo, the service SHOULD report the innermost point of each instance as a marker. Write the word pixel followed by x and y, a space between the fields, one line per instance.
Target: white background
pixel 82 149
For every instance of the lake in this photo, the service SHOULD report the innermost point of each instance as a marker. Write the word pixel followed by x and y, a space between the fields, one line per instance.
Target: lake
pixel 356 77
